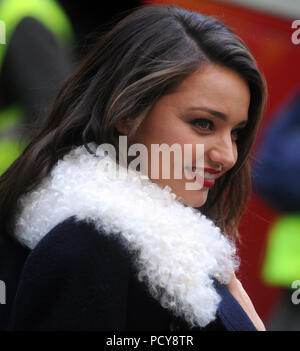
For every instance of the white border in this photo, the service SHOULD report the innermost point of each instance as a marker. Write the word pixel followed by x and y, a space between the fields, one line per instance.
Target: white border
pixel 282 8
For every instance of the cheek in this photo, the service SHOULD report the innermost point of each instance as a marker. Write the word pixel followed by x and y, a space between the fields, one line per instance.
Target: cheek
pixel 235 152
pixel 169 134
pixel 150 132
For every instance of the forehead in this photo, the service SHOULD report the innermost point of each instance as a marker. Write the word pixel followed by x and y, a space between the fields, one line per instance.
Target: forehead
pixel 215 87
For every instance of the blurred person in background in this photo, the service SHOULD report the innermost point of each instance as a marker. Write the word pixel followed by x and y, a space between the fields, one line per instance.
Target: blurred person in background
pixel 44 40
pixel 35 60
pixel 276 176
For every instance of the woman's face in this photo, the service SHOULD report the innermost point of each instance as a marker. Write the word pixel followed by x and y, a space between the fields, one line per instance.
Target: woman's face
pixel 210 107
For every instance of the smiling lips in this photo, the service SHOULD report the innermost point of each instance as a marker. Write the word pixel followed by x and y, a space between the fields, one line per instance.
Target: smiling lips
pixel 209 178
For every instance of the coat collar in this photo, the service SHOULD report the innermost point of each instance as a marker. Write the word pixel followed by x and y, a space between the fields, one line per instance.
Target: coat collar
pixel 178 249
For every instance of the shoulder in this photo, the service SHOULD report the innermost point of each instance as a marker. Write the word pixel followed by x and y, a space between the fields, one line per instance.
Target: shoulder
pixel 75 272
pixel 77 248
pixel 80 239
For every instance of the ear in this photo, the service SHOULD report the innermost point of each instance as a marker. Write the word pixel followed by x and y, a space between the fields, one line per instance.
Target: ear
pixel 122 126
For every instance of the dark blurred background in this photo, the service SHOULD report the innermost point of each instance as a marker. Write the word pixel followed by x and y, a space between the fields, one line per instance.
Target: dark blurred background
pixel 88 17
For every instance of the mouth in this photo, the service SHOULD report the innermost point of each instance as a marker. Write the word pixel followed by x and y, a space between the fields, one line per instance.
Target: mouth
pixel 203 176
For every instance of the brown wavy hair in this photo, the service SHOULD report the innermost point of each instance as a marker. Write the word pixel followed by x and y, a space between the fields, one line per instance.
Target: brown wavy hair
pixel 143 57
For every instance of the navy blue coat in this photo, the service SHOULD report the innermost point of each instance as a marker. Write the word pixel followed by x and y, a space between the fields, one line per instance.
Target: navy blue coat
pixel 277 167
pixel 76 279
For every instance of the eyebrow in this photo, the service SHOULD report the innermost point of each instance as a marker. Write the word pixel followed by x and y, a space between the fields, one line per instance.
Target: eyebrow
pixel 215 113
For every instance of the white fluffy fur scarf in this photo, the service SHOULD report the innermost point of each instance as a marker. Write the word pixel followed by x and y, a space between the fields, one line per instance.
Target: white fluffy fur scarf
pixel 178 249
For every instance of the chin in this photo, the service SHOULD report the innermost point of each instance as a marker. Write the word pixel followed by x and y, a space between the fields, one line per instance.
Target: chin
pixel 195 200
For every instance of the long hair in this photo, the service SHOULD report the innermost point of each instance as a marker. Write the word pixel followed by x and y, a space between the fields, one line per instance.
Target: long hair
pixel 143 57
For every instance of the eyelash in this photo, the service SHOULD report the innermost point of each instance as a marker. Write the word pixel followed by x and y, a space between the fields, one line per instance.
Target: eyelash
pixel 238 132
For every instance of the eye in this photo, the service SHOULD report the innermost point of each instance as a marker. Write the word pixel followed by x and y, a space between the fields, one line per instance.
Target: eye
pixel 204 124
pixel 237 133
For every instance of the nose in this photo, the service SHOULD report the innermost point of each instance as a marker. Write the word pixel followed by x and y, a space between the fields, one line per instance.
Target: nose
pixel 223 152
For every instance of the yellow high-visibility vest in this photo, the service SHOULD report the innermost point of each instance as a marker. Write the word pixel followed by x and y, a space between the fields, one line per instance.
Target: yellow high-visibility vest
pixel 282 259
pixel 52 16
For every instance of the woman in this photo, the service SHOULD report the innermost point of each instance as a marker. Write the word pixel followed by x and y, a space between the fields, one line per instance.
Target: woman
pixel 94 249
